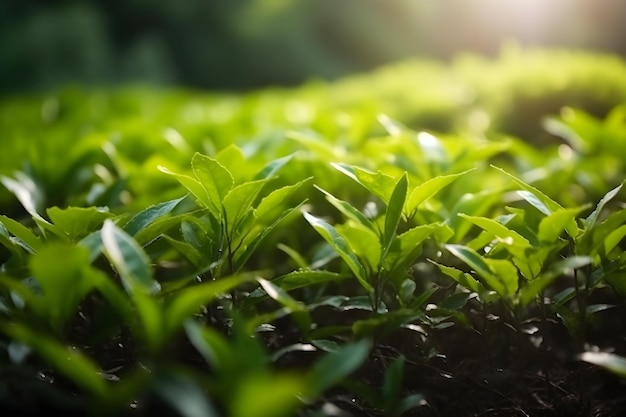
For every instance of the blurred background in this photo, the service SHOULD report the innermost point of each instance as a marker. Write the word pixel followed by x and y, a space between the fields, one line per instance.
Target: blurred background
pixel 247 44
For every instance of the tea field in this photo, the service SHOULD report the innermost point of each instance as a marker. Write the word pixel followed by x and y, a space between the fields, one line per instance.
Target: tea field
pixel 428 239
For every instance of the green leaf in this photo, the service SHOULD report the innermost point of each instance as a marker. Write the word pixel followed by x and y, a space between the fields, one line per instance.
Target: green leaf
pixel 69 361
pixel 363 242
pixel 183 394
pixel 61 271
pixel 501 232
pixel 377 183
pixel 254 239
pixel 334 367
pixel 506 273
pixel 428 189
pixel 306 278
pixel 189 300
pixel 27 191
pixel 551 227
pixel 393 214
pixel 478 264
pixel 78 222
pixel 297 309
pixel 347 209
pixel 28 239
pixel 147 216
pixel 539 200
pixel 463 278
pixel 216 180
pixel 392 383
pixel 211 344
pixel 407 246
pixel 611 241
pixel 267 207
pixel 254 399
pixel 341 246
pixel 129 259
pixel 594 216
pixel 609 361
pixel 543 281
pixel 198 191
pixel 272 168
pixel 238 202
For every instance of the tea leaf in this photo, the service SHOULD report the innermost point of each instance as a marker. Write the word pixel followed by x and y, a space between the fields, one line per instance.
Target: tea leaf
pixel 594 216
pixel 189 300
pixel 609 361
pixel 130 261
pixel 77 222
pixel 61 271
pixel 334 367
pixel 505 235
pixel 476 262
pixel 342 247
pixel 377 183
pixel 393 214
pixel 238 202
pixel 305 278
pixel 539 200
pixel 347 209
pixel 551 227
pixel 363 242
pixel 428 189
pixel 269 170
pixel 147 216
pixel 183 394
pixel 197 190
pixel 29 240
pixel 216 180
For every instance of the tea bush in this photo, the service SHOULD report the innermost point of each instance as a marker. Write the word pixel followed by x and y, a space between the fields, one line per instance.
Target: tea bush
pixel 276 252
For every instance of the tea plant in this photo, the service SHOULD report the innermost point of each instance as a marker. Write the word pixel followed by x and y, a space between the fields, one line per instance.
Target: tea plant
pixel 310 252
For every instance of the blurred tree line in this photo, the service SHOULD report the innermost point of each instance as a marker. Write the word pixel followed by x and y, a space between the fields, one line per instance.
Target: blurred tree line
pixel 243 44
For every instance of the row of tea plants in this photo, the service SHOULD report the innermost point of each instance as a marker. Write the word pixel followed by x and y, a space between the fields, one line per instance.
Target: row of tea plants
pixel 296 261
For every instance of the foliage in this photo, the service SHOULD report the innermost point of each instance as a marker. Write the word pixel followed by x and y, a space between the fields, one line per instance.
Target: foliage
pixel 255 256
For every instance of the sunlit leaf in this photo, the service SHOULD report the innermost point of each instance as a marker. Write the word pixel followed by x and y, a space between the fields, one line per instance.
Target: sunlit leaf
pixel 147 216
pixel 393 215
pixel 129 259
pixel 213 176
pixel 342 247
pixel 609 361
pixel 428 189
pixel 77 222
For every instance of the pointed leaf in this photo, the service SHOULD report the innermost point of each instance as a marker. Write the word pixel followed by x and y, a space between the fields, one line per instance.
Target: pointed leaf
pixel 500 231
pixel 478 264
pixel 78 222
pixel 593 217
pixel 334 367
pixel 129 259
pixel 272 168
pixel 198 191
pixel 428 189
pixel 341 246
pixel 393 214
pixel 238 202
pixel 609 361
pixel 214 177
pixel 147 216
pixel 347 209
pixel 189 300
